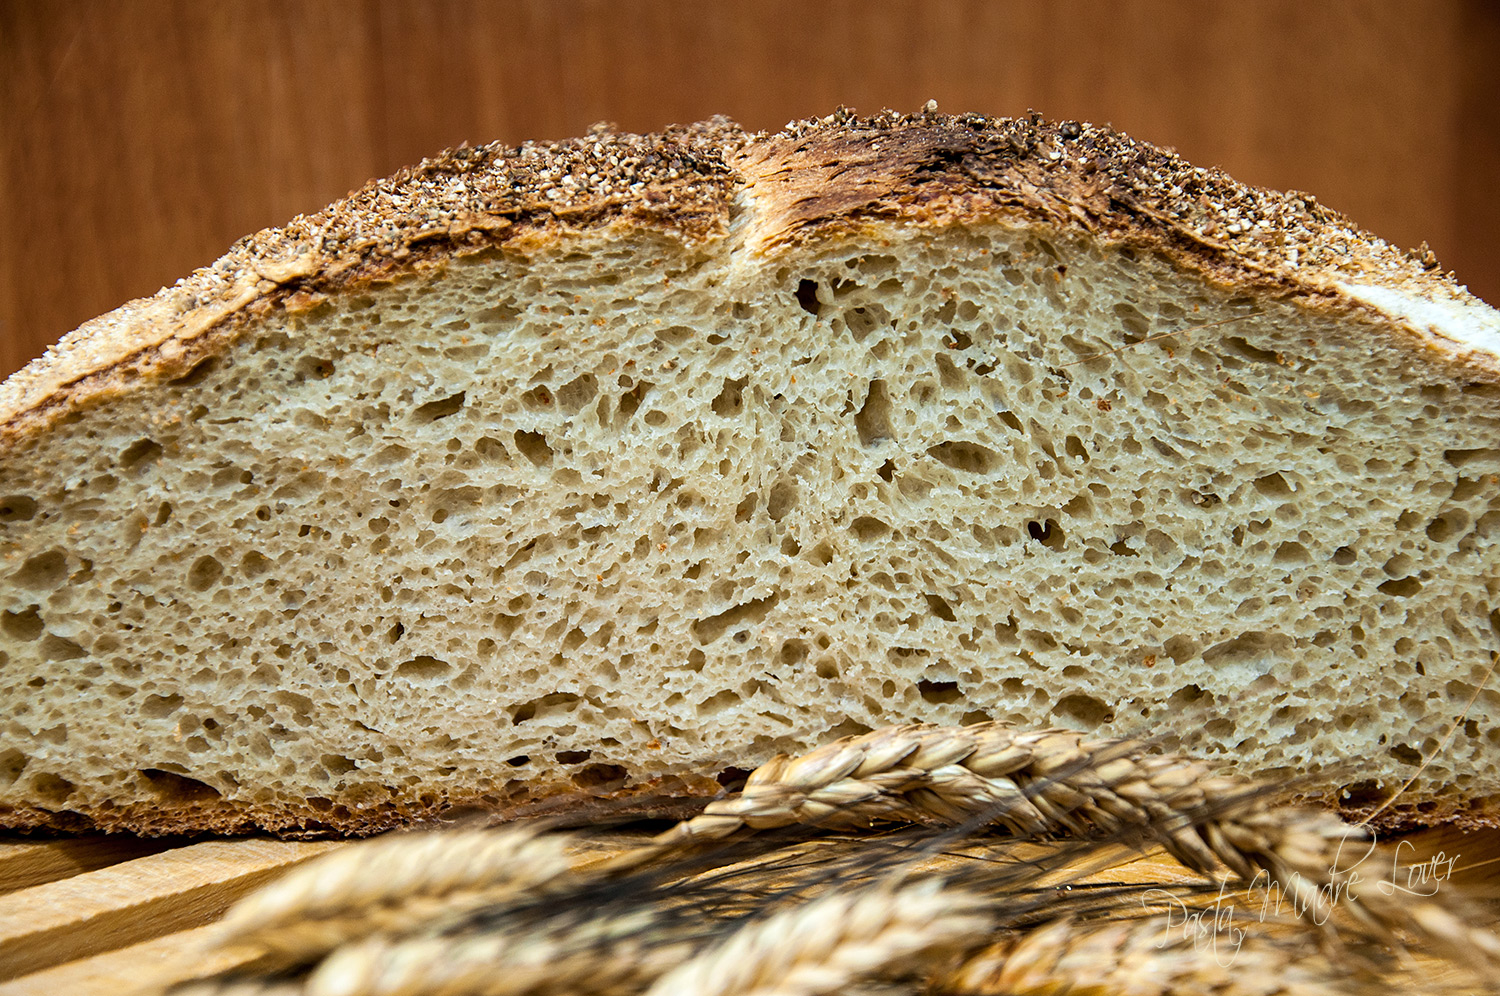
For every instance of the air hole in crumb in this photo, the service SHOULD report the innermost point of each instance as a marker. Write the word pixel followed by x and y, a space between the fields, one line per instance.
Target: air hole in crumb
pixel 1242 346
pixel 518 761
pixel 528 710
pixel 204 573
pixel 1406 754
pixel 538 397
pixel 793 652
pixel 337 764
pixel 254 564
pixel 17 508
pixel 159 706
pixel 172 787
pixel 1449 524
pixel 1343 556
pixel 630 401
pixel 939 607
pixel 1401 587
pixel 873 421
pixel 783 499
pixel 1047 533
pixel 424 669
pixel 315 368
pixel 1291 553
pixel 442 408
pixel 195 374
pixel 969 457
pixel 886 471
pixel 1273 485
pixel 577 392
pixel 1136 324
pixel 732 779
pixel 709 629
pixel 1461 458
pixel 45 570
pixel 57 648
pixel 807 297
pixel 12 763
pixel 533 446
pixel 23 626
pixel 939 692
pixel 51 788
pixel 867 528
pixel 1083 709
pixel 862 321
pixel 573 756
pixel 730 400
pixel 600 776
pixel 141 452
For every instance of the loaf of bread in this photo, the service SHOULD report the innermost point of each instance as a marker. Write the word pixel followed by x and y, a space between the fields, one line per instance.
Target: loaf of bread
pixel 596 473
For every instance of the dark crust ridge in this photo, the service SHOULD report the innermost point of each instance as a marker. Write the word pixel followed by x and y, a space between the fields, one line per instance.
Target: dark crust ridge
pixel 815 178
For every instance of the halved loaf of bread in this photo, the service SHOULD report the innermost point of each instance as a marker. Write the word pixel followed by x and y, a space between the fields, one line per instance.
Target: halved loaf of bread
pixel 606 468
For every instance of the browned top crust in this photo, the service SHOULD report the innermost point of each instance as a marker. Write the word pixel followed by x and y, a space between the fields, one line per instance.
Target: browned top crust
pixel 813 178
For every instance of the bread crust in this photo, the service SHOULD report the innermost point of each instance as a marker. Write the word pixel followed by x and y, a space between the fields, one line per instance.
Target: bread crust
pixel 662 798
pixel 814 179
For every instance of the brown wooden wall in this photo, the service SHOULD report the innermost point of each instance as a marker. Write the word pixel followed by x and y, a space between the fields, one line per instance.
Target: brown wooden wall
pixel 139 139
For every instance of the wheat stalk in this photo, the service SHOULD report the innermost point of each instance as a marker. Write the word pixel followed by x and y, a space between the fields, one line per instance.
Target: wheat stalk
pixel 239 987
pixel 1060 781
pixel 823 945
pixel 389 884
pixel 445 913
pixel 1067 958
pixel 606 952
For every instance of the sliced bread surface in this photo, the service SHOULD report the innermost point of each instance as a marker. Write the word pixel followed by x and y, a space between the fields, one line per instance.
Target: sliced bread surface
pixel 608 469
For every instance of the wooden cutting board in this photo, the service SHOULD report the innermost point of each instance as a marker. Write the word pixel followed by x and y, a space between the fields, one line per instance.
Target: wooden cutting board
pixel 116 915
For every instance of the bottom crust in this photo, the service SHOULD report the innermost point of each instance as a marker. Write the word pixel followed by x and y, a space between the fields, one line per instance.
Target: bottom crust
pixel 663 799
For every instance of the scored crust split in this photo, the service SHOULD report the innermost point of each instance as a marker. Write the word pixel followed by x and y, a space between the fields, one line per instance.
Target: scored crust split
pixel 562 475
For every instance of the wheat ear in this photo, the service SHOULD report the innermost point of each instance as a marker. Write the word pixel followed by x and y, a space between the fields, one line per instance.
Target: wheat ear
pixel 1034 782
pixel 605 955
pixel 824 945
pixel 1052 781
pixel 388 884
pixel 238 987
pixel 1143 958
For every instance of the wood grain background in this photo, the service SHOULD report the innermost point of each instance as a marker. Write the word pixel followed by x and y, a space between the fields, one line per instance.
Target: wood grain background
pixel 139 139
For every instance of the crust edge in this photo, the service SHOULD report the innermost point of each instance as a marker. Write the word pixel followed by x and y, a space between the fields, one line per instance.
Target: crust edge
pixel 807 181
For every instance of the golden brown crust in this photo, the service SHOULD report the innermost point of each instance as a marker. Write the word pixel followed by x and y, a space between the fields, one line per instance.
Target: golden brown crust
pixel 814 178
